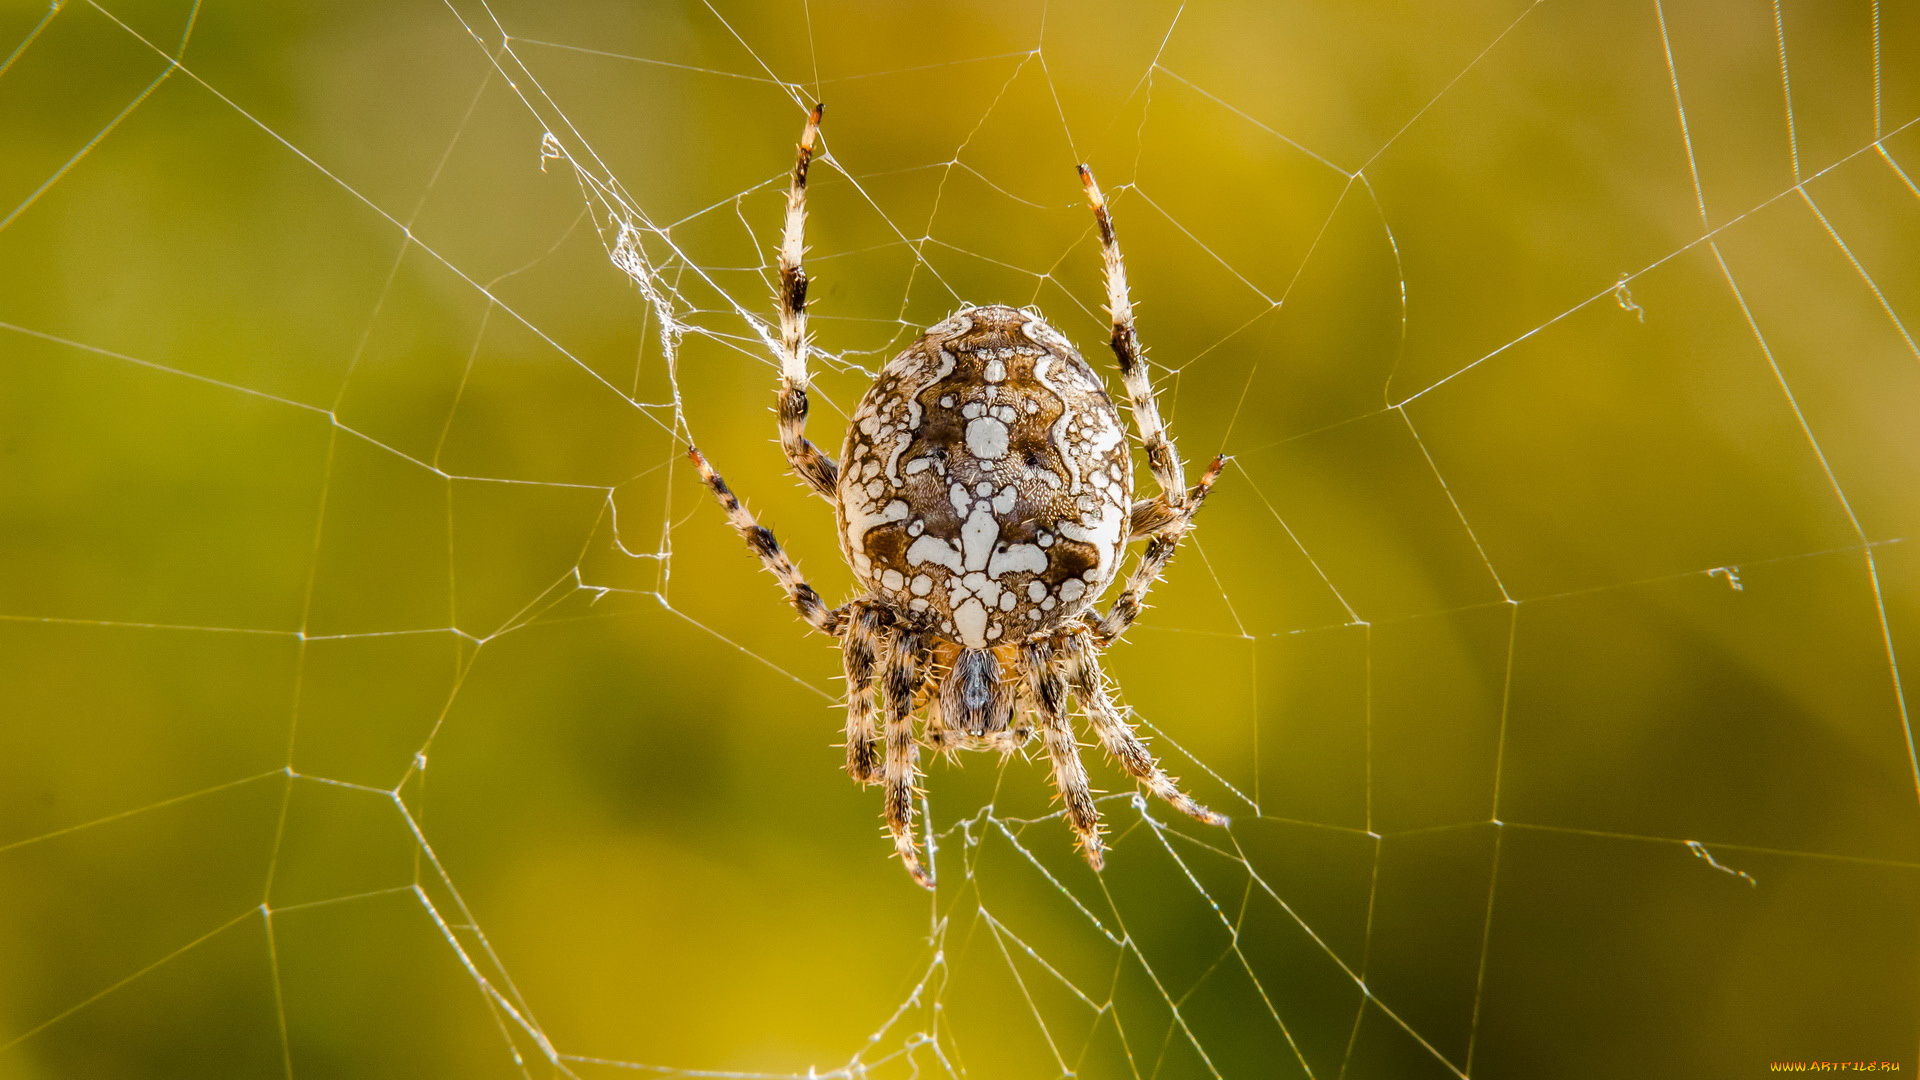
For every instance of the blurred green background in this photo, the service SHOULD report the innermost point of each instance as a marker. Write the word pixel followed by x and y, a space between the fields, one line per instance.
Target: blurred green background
pixel 380 697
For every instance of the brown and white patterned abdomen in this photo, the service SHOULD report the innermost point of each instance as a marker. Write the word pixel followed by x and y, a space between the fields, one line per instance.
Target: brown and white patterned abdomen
pixel 986 482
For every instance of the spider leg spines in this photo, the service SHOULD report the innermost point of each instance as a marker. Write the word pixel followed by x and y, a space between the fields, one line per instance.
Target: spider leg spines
pixel 1161 546
pixel 1089 685
pixel 816 469
pixel 906 661
pixel 938 738
pixel 760 540
pixel 1162 458
pixel 1151 516
pixel 1047 689
pixel 860 650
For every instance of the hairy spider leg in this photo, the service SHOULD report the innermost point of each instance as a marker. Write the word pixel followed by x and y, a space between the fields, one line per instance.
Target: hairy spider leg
pixel 1162 458
pixel 934 731
pixel 760 539
pixel 1150 516
pixel 1047 691
pixel 1160 550
pixel 1166 517
pixel 906 672
pixel 861 643
pixel 1089 685
pixel 819 471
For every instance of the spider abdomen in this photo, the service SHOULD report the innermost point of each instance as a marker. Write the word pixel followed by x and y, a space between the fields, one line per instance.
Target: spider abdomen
pixel 985 483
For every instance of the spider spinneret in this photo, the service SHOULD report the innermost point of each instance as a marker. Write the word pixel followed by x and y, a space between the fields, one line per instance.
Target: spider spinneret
pixel 985 500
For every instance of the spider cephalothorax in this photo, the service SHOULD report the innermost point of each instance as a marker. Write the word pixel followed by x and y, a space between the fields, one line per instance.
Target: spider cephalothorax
pixel 985 500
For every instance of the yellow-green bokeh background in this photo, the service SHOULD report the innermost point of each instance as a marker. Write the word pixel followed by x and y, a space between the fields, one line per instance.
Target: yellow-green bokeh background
pixel 282 492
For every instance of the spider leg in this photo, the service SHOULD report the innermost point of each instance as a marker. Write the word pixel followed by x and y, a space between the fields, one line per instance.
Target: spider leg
pixel 1162 458
pixel 819 471
pixel 1166 517
pixel 906 671
pixel 758 537
pixel 939 738
pixel 1161 546
pixel 1150 516
pixel 1089 685
pixel 863 637
pixel 1047 689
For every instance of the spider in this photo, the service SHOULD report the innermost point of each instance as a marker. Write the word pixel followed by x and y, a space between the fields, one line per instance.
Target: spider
pixel 984 499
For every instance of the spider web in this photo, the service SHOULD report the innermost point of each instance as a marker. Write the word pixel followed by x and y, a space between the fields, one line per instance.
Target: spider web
pixel 385 698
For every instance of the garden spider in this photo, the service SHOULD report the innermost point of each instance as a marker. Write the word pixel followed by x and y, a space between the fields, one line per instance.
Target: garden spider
pixel 984 499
